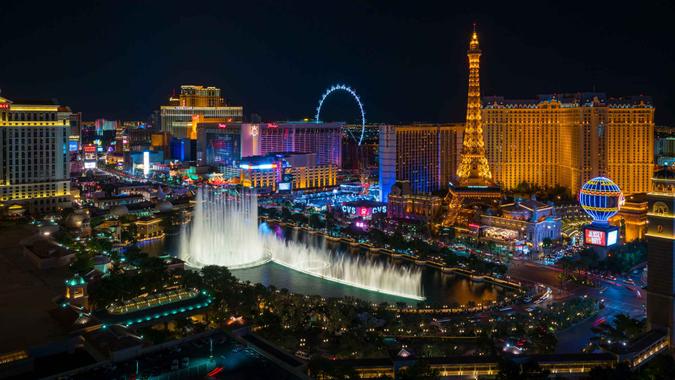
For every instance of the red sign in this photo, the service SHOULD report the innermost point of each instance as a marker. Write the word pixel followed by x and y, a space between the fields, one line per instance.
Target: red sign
pixel 4 106
pixel 221 125
pixel 595 237
pixel 90 148
pixel 363 211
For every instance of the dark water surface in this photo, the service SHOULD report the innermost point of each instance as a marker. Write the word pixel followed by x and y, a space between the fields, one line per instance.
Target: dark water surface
pixel 439 288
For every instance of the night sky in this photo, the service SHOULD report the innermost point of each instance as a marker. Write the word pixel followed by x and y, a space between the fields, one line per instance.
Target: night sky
pixel 407 59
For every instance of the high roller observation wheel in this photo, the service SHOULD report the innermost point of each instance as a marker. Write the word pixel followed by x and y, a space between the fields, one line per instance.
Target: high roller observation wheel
pixel 349 90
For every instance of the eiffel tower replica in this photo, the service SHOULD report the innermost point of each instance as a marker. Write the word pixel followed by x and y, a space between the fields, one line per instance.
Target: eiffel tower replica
pixel 475 188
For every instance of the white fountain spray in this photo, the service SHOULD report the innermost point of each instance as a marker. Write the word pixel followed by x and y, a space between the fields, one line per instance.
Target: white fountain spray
pixel 225 232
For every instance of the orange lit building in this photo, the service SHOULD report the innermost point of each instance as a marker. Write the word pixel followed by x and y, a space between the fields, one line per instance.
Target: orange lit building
pixel 178 118
pixel 568 139
pixel 286 172
pixel 403 204
pixel 149 228
pixel 632 217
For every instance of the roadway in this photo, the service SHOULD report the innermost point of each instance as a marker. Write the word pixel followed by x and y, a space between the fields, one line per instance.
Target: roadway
pixel 617 296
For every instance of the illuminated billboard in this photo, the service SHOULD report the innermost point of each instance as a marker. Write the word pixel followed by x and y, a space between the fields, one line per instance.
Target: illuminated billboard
pixel 595 237
pixel 601 237
pixel 72 146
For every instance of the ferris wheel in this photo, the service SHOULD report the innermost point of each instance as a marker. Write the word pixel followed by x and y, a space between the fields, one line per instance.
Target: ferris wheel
pixel 349 90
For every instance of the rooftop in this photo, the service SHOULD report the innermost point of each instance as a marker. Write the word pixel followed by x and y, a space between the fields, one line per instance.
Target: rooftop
pixel 579 99
pixel 45 248
pixel 665 172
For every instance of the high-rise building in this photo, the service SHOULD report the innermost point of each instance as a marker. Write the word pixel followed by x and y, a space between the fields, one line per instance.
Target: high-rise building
pixel 664 145
pixel 219 144
pixel 222 143
pixel 360 158
pixel 425 155
pixel 568 139
pixel 34 161
pixel 304 137
pixel 206 102
pixel 661 252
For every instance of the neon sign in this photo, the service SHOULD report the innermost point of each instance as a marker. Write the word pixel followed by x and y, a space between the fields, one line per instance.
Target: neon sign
pixel 595 237
pixel 258 167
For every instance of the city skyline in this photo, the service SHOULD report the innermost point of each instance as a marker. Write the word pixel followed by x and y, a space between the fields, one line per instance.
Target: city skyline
pixel 135 60
pixel 191 191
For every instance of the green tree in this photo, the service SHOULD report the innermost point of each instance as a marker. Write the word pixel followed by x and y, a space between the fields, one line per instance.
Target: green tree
pixel 315 220
pixel 661 367
pixel 286 214
pixel 82 264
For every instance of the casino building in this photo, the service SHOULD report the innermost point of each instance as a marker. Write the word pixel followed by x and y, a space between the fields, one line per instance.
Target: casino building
pixel 523 221
pixel 567 139
pixel 425 155
pixel 195 101
pixel 223 143
pixel 285 172
pixel 34 165
pixel 661 252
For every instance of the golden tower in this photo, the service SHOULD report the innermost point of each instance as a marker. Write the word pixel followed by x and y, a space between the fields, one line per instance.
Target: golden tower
pixel 475 190
pixel 474 168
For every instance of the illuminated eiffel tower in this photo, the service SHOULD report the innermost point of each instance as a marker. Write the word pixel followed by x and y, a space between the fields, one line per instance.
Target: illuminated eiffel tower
pixel 473 173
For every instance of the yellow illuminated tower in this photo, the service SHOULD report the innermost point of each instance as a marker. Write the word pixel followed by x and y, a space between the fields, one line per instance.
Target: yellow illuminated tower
pixel 475 190
pixel 474 168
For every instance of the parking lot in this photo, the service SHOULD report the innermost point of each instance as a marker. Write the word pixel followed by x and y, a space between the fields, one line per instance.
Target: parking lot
pixel 218 355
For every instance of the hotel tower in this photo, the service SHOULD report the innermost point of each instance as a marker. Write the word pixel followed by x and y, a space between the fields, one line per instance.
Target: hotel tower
pixel 34 162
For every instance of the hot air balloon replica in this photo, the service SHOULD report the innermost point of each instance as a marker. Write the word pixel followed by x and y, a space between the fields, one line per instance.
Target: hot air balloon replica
pixel 601 198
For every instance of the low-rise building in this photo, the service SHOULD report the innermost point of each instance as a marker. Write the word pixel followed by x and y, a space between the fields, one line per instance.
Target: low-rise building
pixel 527 221
pixel 149 228
pixel 632 217
pixel 45 253
pixel 106 203
pixel 279 172
pixel 403 204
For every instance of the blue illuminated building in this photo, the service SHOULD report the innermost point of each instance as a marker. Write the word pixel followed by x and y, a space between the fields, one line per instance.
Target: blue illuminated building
pixel 183 149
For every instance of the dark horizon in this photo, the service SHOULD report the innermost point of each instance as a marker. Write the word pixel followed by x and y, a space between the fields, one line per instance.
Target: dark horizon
pixel 122 60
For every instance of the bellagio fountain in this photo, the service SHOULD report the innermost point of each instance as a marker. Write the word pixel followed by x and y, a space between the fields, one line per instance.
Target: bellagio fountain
pixel 225 231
